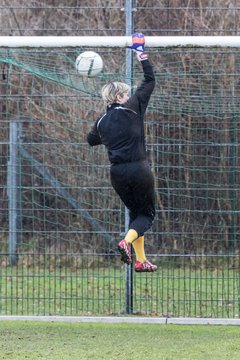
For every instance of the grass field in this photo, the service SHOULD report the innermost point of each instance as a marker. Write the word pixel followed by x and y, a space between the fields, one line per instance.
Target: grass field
pixel 55 341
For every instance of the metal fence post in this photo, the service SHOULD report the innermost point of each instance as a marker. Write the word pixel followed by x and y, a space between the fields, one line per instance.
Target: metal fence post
pixel 128 268
pixel 13 188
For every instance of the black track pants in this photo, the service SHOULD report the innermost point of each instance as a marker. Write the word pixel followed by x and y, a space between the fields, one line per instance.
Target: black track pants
pixel 134 183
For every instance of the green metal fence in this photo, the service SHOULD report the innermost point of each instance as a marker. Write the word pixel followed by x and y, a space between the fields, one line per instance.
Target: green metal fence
pixel 60 219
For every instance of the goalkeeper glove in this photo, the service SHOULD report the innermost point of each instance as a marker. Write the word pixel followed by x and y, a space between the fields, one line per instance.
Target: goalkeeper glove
pixel 138 42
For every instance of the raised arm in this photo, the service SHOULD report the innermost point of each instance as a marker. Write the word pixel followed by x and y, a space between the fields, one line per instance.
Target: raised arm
pixel 139 100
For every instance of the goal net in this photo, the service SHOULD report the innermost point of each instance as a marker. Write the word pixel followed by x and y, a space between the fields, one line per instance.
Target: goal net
pixel 63 198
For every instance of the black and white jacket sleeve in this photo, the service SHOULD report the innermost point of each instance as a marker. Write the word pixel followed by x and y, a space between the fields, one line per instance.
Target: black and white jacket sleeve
pixel 140 99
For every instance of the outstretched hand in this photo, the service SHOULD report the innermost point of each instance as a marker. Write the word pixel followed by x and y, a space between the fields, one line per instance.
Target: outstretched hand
pixel 138 43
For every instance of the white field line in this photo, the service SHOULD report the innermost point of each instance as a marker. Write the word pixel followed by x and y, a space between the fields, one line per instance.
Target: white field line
pixel 125 319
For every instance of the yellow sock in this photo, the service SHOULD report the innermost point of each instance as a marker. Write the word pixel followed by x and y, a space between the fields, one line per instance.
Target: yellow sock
pixel 138 246
pixel 131 236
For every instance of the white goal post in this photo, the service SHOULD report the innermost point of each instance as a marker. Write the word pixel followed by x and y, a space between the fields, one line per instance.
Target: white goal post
pixel 117 41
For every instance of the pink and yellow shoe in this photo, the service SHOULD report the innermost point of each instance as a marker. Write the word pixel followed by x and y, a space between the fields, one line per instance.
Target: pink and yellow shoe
pixel 125 251
pixel 145 266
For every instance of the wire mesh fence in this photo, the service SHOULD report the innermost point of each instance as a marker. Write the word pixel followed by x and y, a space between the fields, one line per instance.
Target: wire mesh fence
pixel 67 217
pixel 75 17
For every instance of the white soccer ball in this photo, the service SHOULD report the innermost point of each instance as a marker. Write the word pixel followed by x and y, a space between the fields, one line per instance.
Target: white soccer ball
pixel 89 63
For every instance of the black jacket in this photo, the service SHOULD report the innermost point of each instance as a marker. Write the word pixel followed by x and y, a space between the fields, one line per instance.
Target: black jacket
pixel 121 128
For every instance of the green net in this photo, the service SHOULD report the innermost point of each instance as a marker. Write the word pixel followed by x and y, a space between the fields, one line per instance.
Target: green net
pixel 62 185
pixel 192 138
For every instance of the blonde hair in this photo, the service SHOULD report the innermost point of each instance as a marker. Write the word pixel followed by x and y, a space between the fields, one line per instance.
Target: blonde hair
pixel 112 90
